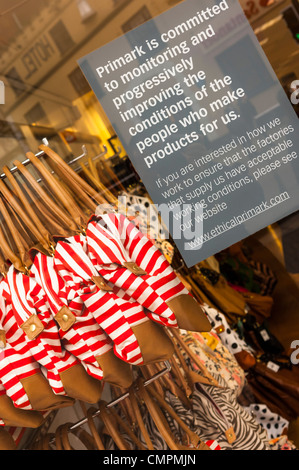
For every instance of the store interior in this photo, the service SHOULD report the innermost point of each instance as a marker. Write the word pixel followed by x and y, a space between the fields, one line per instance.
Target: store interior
pixel 219 373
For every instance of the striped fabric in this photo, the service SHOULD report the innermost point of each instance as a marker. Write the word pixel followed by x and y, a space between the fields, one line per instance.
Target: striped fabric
pixel 85 339
pixel 14 367
pixel 16 433
pixel 2 392
pixel 27 298
pixel 112 313
pixel 216 409
pixel 157 439
pixel 112 241
pixel 213 445
pixel 15 363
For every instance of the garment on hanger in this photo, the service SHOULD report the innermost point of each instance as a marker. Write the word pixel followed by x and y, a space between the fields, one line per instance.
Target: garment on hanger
pixel 14 365
pixel 244 354
pixel 218 415
pixel 128 260
pixel 216 357
pixel 12 416
pixel 21 374
pixel 33 317
pixel 79 332
pixel 273 423
pixel 124 321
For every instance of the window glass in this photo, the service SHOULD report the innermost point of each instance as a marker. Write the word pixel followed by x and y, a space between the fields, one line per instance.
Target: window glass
pixel 46 94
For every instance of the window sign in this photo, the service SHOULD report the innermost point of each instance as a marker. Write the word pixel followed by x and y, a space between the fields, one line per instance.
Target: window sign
pixel 205 122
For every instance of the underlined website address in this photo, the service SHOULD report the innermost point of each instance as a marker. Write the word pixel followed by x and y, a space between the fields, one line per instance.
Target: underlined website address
pixel 238 220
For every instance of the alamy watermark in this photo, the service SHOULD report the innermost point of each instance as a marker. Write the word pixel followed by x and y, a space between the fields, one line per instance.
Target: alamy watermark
pixel 156 221
pixel 2 92
pixel 295 354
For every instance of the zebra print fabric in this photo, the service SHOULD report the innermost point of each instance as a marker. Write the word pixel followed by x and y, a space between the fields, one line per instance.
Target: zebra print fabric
pixel 215 410
pixel 207 420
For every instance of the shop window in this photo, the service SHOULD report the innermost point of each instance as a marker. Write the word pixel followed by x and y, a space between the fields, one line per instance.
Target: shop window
pixel 248 75
pixel 10 130
pixel 36 114
pixel 61 37
pixel 291 17
pixel 139 18
pixel 15 81
pixel 79 82
pixel 137 37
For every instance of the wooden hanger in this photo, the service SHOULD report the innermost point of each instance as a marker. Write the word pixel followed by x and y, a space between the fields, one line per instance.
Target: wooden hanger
pixel 193 438
pixel 23 215
pixel 93 175
pixel 21 245
pixel 62 196
pixel 160 421
pixel 139 419
pixel 57 210
pixel 71 176
pixel 62 437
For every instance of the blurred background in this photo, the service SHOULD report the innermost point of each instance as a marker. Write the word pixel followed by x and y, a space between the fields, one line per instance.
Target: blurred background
pixel 46 94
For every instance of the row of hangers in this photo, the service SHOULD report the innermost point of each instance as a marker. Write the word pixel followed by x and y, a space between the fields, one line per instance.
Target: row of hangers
pixel 59 196
pixel 66 202
pixel 148 390
pixel 71 162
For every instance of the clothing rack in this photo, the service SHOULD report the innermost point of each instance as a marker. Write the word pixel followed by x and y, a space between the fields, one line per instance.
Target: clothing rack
pixel 85 153
pixel 181 267
pixel 167 364
pixel 42 153
pixel 124 396
pixel 14 169
pixel 119 399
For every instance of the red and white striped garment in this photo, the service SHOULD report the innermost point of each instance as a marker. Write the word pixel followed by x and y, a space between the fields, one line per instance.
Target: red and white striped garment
pixel 13 368
pixel 16 433
pixel 85 339
pixel 112 241
pixel 2 393
pixel 27 298
pixel 15 365
pixel 112 313
pixel 213 445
